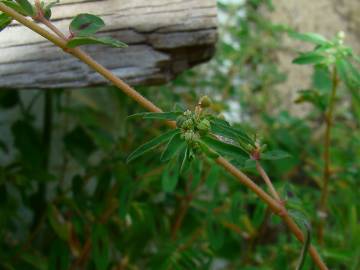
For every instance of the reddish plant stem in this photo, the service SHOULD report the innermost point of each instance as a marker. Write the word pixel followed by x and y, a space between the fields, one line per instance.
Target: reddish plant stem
pixel 267 180
pixel 322 210
pixel 185 204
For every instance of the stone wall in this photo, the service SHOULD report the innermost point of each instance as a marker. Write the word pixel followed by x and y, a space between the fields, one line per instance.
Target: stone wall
pixel 326 17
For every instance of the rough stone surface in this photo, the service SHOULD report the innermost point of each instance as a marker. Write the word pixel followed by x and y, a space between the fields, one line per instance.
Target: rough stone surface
pixel 326 17
pixel 165 37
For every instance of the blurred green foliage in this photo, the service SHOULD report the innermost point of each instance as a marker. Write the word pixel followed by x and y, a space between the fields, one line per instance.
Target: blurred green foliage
pixel 68 200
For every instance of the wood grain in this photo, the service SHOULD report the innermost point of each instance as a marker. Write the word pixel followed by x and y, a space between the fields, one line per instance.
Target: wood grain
pixel 165 37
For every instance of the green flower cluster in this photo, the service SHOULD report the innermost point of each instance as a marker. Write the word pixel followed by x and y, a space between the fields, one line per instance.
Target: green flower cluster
pixel 194 125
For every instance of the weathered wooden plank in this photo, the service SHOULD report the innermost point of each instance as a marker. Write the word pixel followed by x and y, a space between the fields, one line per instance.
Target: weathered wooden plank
pixel 165 37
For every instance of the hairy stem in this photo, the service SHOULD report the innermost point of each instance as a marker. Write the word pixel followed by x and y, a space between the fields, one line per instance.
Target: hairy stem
pixel 275 206
pixel 326 156
pixel 267 180
pixel 40 17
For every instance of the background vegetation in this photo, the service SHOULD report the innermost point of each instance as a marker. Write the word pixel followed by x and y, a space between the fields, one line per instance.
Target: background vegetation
pixel 68 200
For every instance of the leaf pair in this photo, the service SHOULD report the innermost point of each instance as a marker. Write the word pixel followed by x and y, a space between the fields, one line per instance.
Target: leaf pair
pixel 21 6
pixel 84 26
pixel 314 97
pixel 208 144
pixel 24 7
pixel 326 52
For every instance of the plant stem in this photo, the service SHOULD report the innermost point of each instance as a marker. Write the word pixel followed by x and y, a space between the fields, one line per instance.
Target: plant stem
pixel 185 204
pixel 78 53
pixel 275 206
pixel 40 17
pixel 326 156
pixel 267 180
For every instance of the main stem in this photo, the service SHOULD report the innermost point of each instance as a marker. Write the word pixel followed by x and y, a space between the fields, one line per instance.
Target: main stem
pixel 145 103
pixel 326 156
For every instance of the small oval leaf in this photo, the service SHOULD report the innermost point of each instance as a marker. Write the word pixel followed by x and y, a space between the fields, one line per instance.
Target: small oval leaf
pixel 79 41
pixel 85 24
pixel 310 37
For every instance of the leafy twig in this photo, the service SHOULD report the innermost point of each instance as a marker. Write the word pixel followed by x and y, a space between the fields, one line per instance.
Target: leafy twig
pixel 145 103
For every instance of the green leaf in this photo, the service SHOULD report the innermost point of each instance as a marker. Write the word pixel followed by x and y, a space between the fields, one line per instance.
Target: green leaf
pixel 213 177
pixel 125 195
pixel 59 258
pixel 248 164
pixel 223 128
pixel 305 247
pixel 172 116
pixel 348 73
pixel 236 207
pixel 224 148
pixel 85 24
pixel 37 261
pixel 208 151
pixel 215 234
pixel 321 79
pixel 170 178
pixel 309 37
pixel 5 20
pixel 100 247
pixel 27 7
pixel 58 223
pixel 351 77
pixel 14 6
pixel 314 97
pixel 275 155
pixel 79 41
pixel 184 160
pixel 196 171
pixel 47 8
pixel 311 58
pixel 173 147
pixel 294 205
pixel 152 144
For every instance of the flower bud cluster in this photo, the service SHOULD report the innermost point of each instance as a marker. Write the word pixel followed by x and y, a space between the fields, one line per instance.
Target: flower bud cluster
pixel 192 127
